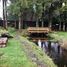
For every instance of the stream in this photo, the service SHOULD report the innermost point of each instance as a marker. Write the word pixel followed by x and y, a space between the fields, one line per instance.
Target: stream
pixel 54 51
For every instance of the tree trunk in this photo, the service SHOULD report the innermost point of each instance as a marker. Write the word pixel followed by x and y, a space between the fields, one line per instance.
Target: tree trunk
pixel 63 26
pixel 19 22
pixel 5 24
pixel 15 24
pixel 22 24
pixel 4 14
pixel 50 24
pixel 42 24
pixel 60 26
pixel 37 23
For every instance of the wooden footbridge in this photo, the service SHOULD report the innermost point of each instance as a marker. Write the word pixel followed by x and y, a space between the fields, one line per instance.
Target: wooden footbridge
pixel 39 30
pixel 38 33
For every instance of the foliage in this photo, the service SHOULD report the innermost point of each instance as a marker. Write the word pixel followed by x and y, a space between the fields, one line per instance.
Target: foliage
pixel 57 36
pixel 44 9
pixel 18 6
pixel 11 30
pixel 24 33
pixel 2 30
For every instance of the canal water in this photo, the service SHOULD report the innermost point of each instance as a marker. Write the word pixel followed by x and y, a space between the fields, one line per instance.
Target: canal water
pixel 54 51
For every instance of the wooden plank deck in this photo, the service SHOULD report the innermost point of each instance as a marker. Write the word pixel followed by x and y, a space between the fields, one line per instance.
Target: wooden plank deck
pixel 39 30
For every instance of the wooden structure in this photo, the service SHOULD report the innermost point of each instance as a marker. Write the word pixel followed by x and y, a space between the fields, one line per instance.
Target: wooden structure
pixel 37 33
pixel 39 30
pixel 42 39
pixel 3 42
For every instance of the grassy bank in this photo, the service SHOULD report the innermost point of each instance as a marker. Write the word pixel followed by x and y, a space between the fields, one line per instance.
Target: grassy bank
pixel 18 53
pixel 13 56
pixel 63 35
pixel 57 36
pixel 40 54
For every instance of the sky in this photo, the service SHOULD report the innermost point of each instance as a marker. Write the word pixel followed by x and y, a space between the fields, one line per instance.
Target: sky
pixel 1 8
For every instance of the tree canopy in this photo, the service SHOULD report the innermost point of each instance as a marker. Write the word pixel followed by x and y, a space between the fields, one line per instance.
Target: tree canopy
pixel 41 9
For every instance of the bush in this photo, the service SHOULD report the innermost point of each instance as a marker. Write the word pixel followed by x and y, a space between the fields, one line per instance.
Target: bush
pixel 24 33
pixel 2 30
pixel 11 30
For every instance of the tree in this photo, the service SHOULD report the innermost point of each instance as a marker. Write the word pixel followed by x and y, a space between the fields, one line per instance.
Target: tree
pixel 17 8
pixel 63 12
pixel 39 10
pixel 5 13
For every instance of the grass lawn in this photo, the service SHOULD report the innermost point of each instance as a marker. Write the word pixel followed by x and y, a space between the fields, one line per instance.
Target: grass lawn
pixel 59 35
pixel 63 35
pixel 13 56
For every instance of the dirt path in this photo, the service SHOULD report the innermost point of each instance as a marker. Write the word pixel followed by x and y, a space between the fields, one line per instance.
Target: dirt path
pixel 30 52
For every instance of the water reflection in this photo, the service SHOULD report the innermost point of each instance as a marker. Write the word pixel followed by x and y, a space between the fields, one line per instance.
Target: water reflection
pixel 53 50
pixel 39 43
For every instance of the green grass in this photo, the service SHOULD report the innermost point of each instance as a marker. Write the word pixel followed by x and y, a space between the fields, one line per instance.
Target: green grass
pixel 40 54
pixel 62 34
pixel 58 35
pixel 13 56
